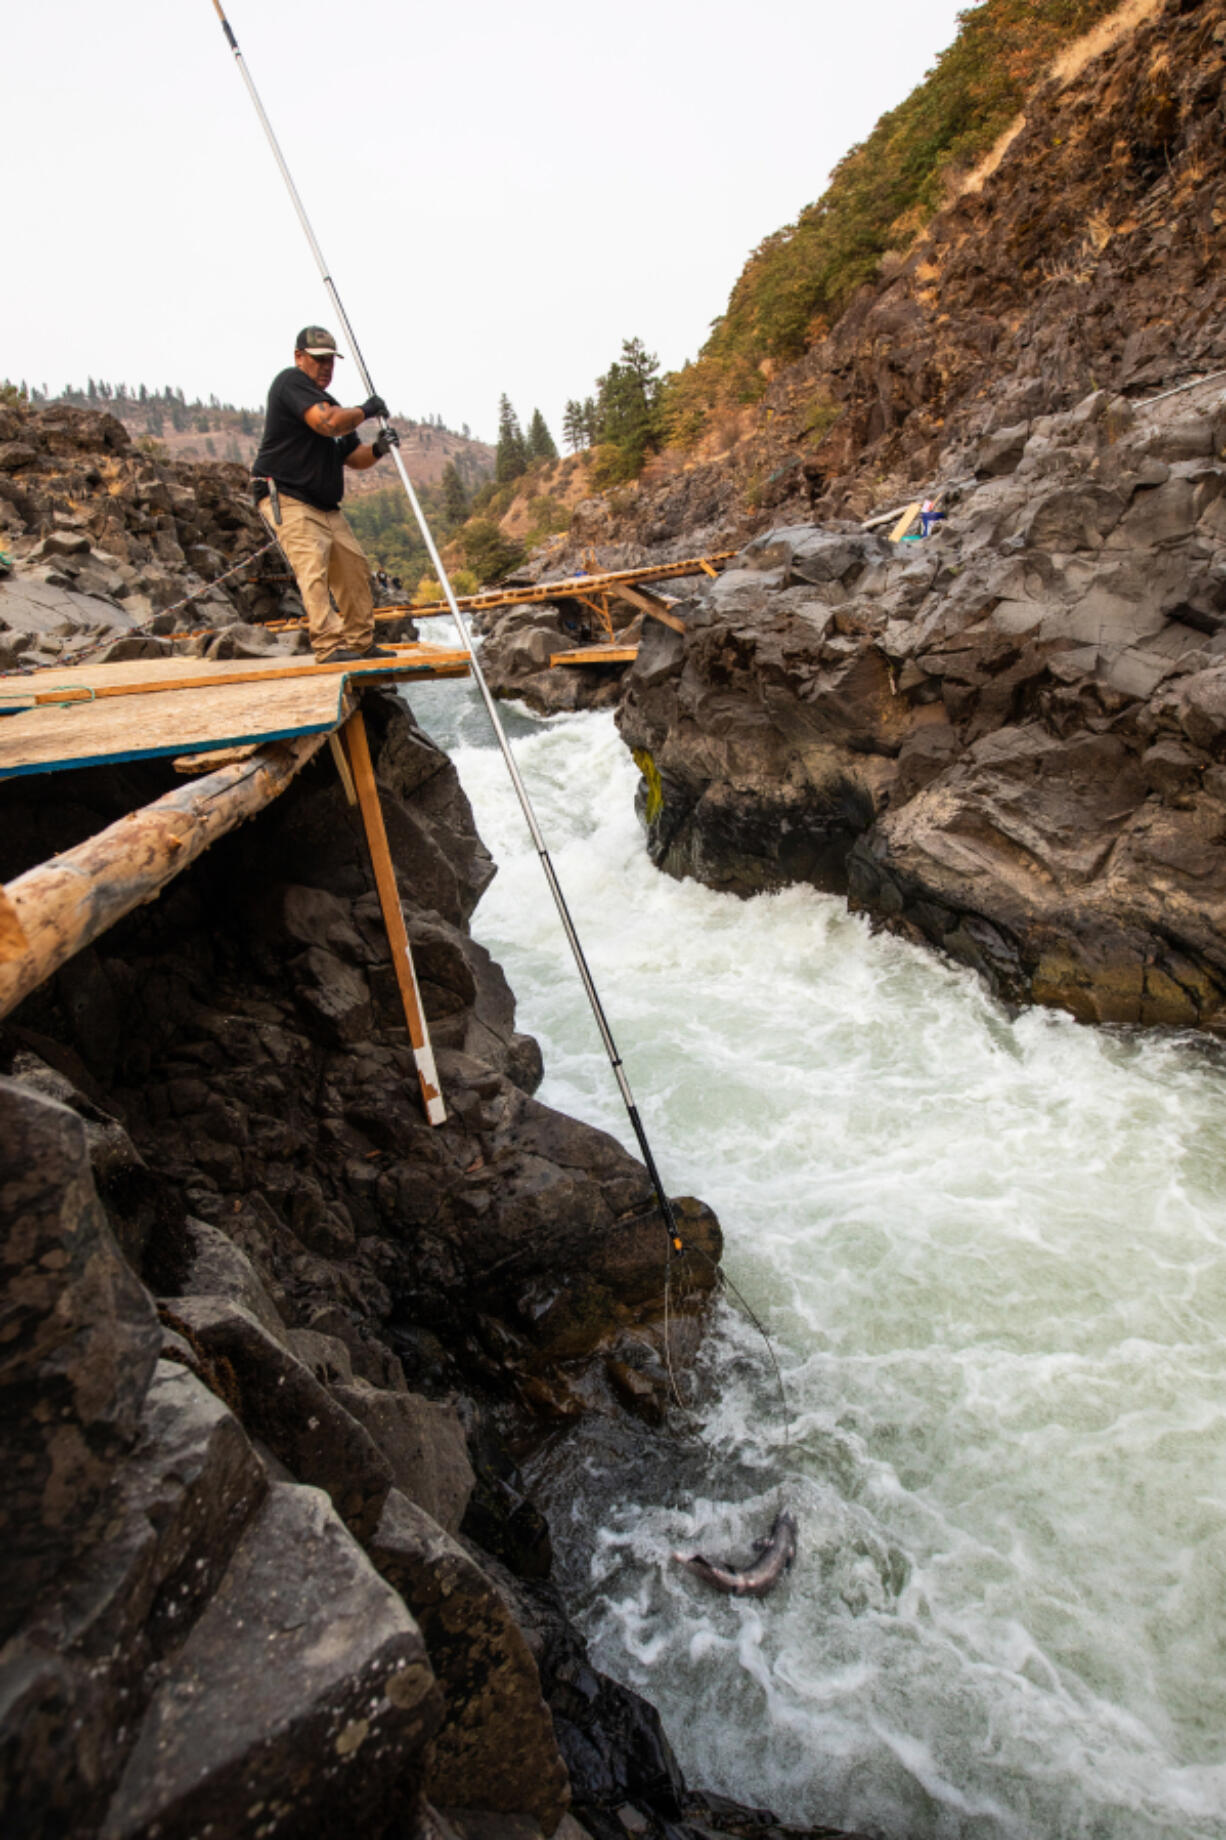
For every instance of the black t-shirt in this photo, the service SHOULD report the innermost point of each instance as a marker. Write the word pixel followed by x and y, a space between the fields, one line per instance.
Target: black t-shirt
pixel 304 464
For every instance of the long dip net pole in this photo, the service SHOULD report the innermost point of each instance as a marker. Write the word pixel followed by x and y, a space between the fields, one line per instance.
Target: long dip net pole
pixel 521 791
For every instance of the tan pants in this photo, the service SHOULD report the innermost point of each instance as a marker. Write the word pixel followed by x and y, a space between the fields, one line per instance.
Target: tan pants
pixel 328 565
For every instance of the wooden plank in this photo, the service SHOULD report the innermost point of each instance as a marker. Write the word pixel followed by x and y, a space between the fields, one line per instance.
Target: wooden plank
pixel 905 521
pixel 65 904
pixel 393 916
pixel 97 681
pixel 186 718
pixel 211 759
pixel 597 654
pixel 667 618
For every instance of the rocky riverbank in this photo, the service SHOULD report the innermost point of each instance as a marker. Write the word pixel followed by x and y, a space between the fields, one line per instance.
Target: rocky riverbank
pixel 1007 739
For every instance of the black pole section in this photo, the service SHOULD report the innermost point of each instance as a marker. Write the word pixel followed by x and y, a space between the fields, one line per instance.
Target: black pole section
pixel 555 887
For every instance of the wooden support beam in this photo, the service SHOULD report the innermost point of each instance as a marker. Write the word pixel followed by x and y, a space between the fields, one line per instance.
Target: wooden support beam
pixel 599 607
pixel 65 904
pixel 393 916
pixel 667 617
pixel 341 762
pixel 640 598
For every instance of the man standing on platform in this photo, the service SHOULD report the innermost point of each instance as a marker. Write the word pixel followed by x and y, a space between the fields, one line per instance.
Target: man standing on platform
pixel 299 475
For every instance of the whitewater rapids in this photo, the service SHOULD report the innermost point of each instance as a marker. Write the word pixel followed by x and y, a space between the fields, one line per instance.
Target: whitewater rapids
pixel 991 1253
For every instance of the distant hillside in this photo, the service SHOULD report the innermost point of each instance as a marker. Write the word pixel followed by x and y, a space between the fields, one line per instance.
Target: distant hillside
pixel 213 430
pixel 800 279
pixel 1082 252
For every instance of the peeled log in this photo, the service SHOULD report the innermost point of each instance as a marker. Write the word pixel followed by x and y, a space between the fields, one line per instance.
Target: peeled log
pixel 63 905
pixel 13 941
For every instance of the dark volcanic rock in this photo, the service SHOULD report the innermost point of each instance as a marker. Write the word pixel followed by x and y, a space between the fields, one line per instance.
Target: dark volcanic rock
pixel 106 536
pixel 81 1339
pixel 496 1748
pixel 302 1693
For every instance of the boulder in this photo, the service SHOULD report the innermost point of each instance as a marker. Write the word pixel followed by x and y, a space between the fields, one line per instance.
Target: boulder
pixel 423 1441
pixel 282 1403
pixel 496 1748
pixel 79 1350
pixel 302 1700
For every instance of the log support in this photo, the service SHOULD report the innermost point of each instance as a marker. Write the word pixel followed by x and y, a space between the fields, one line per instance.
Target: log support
pixel 393 915
pixel 62 906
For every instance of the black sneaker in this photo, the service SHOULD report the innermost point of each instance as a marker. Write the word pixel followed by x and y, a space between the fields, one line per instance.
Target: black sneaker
pixel 347 657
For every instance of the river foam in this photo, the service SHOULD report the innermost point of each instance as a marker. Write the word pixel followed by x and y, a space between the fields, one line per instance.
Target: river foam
pixel 991 1253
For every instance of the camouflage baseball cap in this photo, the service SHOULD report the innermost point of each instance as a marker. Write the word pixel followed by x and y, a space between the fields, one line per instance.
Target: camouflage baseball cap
pixel 317 343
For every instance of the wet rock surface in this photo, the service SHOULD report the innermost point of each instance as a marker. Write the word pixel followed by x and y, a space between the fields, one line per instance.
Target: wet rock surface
pixel 1006 739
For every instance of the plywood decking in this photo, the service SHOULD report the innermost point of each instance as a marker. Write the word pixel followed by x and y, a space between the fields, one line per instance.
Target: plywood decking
pixel 88 715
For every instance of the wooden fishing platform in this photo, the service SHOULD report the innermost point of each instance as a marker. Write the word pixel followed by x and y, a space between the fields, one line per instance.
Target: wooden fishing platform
pixel 252 724
pixel 94 715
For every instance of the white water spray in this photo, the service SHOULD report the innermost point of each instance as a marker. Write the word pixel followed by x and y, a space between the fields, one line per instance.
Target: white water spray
pixel 992 1256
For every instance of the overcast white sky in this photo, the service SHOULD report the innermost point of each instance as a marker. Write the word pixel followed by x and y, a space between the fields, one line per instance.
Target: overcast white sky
pixel 503 192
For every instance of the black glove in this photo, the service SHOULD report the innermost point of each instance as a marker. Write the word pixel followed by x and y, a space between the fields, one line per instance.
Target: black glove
pixel 374 405
pixel 384 441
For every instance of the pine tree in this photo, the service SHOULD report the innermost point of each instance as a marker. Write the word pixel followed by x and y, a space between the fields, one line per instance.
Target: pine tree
pixel 572 426
pixel 589 419
pixel 455 498
pixel 541 444
pixel 627 404
pixel 512 455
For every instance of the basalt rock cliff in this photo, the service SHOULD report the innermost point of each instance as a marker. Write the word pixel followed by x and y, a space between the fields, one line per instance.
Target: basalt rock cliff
pixel 1007 739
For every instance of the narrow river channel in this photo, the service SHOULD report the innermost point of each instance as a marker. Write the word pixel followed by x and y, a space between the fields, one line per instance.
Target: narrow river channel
pixel 991 1254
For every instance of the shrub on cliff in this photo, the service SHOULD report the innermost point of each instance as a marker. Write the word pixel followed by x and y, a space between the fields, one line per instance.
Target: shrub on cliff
pixel 486 551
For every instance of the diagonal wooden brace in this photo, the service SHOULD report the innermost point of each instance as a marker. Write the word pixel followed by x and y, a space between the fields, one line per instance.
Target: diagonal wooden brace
pixel 393 915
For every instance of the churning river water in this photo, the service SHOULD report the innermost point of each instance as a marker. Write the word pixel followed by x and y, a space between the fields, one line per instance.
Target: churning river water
pixel 991 1255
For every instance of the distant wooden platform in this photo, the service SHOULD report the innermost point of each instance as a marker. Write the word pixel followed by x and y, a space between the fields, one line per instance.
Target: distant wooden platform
pixel 89 715
pixel 596 654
